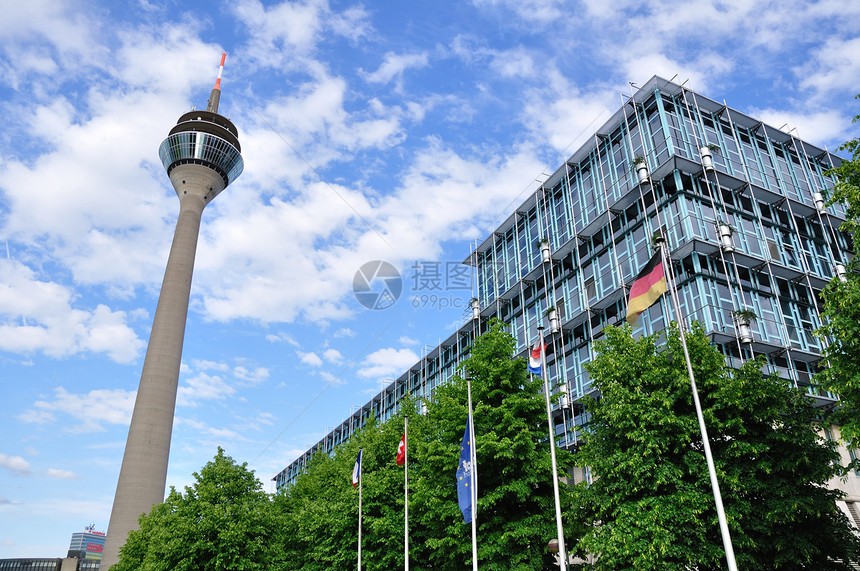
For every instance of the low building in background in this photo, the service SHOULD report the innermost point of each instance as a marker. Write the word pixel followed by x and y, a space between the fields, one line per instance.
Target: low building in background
pixel 85 554
pixel 88 546
pixel 41 564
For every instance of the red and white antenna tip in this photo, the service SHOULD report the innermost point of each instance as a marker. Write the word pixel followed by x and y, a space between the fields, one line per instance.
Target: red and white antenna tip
pixel 220 71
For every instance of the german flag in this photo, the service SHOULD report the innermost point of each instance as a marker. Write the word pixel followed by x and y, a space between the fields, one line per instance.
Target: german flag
pixel 649 285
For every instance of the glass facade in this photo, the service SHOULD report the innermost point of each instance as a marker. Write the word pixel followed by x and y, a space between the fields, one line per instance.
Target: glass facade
pixel 89 544
pixel 741 206
pixel 436 366
pixel 30 564
pixel 52 564
pixel 202 148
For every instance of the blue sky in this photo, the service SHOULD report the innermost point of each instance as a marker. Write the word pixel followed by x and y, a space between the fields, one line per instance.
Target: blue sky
pixel 395 131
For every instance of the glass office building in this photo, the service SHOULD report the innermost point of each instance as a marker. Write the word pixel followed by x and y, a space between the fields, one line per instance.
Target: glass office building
pixel 87 545
pixel 741 206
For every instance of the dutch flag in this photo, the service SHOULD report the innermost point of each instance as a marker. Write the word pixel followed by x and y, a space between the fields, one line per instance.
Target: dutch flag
pixel 535 359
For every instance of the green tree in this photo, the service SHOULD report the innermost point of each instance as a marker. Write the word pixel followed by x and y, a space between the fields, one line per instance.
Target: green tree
pixel 320 513
pixel 321 508
pixel 225 521
pixel 651 504
pixel 515 513
pixel 841 315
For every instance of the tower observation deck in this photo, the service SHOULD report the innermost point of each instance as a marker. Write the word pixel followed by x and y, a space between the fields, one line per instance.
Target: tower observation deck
pixel 207 139
pixel 201 155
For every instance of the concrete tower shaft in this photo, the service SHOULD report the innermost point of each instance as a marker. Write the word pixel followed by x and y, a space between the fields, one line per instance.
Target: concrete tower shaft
pixel 201 155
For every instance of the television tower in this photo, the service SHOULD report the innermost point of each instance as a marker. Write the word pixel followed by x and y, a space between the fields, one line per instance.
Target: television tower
pixel 202 156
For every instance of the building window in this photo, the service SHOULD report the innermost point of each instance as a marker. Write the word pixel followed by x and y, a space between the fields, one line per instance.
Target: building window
pixel 773 249
pixel 852 453
pixel 590 290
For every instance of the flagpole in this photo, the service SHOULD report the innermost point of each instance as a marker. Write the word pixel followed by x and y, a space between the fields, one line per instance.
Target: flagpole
pixel 406 491
pixel 474 487
pixel 562 551
pixel 712 472
pixel 360 480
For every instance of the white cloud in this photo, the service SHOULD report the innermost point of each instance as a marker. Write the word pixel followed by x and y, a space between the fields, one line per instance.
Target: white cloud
pixel 287 277
pixel 37 315
pixel 282 338
pixel 37 416
pixel 297 135
pixel 87 143
pixel 258 422
pixel 531 11
pixel 331 379
pixel 332 356
pixel 311 359
pixel 515 63
pixel 386 362
pixel 71 35
pixel 62 474
pixel 286 34
pixel 79 215
pixel 835 66
pixel 394 66
pixel 343 332
pixel 202 387
pixel 568 121
pixel 638 67
pixel 256 376
pixel 207 429
pixel 809 124
pixel 306 269
pixel 352 23
pixel 293 25
pixel 91 410
pixel 204 365
pixel 50 507
pixel 16 465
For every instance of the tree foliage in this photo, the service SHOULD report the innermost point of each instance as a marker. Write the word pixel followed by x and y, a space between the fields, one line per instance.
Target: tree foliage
pixel 651 504
pixel 321 508
pixel 516 510
pixel 225 521
pixel 841 315
pixel 515 505
pixel 650 507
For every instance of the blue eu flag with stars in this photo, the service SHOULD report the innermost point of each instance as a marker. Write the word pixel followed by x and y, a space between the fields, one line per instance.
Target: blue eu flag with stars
pixel 466 474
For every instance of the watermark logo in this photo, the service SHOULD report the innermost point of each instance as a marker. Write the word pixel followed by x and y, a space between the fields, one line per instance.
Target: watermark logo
pixel 377 285
pixel 432 284
pixel 440 276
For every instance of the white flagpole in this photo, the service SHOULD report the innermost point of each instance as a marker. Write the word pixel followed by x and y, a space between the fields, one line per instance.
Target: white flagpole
pixel 474 486
pixel 406 490
pixel 562 552
pixel 712 472
pixel 360 480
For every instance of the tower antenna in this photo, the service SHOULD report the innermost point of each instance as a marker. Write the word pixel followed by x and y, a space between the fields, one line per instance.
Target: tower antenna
pixel 215 96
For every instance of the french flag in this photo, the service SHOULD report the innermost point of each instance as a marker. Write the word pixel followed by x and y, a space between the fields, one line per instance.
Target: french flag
pixel 535 359
pixel 356 471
